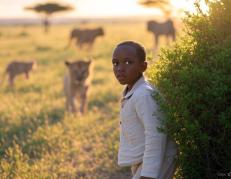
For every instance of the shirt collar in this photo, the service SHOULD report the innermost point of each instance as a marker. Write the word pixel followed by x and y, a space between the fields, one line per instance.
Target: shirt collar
pixel 140 81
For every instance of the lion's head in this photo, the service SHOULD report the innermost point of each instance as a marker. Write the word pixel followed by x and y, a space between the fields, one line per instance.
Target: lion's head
pixel 79 70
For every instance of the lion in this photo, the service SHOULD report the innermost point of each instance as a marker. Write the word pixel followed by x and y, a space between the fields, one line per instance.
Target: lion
pixel 85 36
pixel 16 68
pixel 76 85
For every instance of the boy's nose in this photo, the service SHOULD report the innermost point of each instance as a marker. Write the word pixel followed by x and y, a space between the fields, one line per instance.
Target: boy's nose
pixel 120 68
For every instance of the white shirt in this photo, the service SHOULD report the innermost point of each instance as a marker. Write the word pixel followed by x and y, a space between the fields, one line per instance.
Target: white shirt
pixel 140 140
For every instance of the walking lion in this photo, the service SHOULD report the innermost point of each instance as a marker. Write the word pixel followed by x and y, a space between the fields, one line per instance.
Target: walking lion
pixel 76 85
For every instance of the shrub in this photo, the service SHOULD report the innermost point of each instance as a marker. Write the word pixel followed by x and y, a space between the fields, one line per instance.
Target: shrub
pixel 194 78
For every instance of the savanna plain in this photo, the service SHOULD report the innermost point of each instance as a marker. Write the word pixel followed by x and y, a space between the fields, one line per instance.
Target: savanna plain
pixel 38 138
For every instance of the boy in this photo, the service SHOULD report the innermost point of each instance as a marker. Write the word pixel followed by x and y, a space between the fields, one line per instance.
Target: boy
pixel 149 152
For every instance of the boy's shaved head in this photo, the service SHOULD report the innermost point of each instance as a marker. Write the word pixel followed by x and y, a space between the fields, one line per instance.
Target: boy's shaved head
pixel 140 50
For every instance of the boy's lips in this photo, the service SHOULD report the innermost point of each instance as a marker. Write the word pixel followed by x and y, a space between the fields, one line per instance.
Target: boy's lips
pixel 120 76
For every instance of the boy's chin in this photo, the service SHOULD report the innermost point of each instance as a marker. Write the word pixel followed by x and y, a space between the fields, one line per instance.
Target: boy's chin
pixel 122 82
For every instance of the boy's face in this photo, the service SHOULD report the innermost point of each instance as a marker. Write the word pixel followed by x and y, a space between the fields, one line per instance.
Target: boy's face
pixel 126 65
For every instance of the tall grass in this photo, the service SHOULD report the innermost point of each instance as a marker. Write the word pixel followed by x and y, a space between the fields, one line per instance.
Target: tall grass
pixel 38 139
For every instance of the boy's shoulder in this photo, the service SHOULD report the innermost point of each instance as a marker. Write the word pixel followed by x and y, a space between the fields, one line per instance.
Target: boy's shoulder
pixel 144 89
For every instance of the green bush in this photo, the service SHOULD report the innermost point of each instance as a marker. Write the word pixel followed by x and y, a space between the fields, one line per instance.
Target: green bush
pixel 194 78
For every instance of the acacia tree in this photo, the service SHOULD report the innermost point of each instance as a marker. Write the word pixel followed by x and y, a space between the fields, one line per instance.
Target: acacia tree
pixel 47 9
pixel 163 5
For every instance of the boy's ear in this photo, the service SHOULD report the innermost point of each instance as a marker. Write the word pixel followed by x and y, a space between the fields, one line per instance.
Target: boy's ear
pixel 144 66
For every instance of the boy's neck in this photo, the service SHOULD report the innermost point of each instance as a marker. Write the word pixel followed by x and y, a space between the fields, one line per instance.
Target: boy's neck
pixel 129 86
pixel 126 90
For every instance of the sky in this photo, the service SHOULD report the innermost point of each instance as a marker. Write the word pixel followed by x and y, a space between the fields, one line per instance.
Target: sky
pixel 88 8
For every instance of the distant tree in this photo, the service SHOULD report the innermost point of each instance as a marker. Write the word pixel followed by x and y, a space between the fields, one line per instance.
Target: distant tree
pixel 163 5
pixel 47 9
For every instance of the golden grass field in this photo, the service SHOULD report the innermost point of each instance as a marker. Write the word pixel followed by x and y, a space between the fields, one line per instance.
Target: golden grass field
pixel 38 139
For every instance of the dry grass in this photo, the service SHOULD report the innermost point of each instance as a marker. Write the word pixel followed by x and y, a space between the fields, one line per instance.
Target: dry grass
pixel 38 139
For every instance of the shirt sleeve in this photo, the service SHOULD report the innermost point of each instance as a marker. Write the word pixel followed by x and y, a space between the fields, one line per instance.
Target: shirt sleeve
pixel 155 141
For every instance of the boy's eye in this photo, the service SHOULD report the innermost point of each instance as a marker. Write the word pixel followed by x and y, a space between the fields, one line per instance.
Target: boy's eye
pixel 128 62
pixel 115 63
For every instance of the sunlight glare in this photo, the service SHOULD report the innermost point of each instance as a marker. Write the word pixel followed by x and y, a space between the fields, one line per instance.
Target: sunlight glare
pixel 189 6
